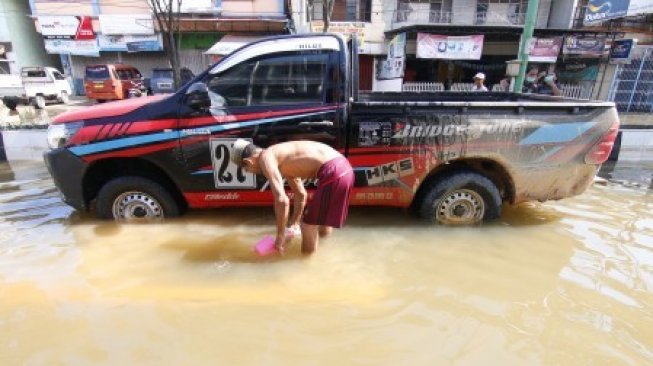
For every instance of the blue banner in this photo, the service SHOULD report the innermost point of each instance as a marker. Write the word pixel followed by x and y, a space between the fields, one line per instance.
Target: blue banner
pixel 601 10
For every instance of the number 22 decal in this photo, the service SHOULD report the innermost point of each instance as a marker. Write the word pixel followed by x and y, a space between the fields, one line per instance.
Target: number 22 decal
pixel 226 173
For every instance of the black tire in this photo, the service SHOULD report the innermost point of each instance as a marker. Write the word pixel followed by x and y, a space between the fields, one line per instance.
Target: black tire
pixel 38 102
pixel 462 197
pixel 64 98
pixel 137 193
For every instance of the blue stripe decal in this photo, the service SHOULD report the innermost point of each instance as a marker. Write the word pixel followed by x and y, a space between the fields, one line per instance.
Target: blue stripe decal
pixel 557 133
pixel 124 142
pixel 203 172
pixel 98 147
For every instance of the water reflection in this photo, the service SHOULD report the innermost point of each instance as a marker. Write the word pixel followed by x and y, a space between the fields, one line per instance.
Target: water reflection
pixel 566 282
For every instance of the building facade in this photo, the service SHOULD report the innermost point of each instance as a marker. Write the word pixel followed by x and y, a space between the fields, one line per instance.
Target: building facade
pixel 20 44
pixel 118 31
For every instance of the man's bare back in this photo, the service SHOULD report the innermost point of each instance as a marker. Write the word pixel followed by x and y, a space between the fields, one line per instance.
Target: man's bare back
pixel 300 159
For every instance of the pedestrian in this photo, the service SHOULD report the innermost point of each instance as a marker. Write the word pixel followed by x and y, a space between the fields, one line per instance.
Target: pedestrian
pixel 479 80
pixel 294 161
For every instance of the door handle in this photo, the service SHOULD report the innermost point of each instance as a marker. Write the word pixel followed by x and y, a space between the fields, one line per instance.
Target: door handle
pixel 321 123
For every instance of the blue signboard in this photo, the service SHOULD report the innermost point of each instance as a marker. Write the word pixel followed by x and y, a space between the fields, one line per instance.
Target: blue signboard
pixel 601 10
pixel 621 50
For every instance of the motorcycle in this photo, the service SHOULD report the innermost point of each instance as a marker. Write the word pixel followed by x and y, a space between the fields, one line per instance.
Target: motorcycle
pixel 137 89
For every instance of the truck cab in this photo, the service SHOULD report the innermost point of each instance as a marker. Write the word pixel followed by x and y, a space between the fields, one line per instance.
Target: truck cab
pixel 36 86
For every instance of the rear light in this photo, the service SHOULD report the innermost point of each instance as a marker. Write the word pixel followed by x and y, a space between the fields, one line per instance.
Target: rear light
pixel 600 152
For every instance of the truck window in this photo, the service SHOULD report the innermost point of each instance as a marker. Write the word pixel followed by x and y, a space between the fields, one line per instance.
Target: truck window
pixel 34 74
pixel 124 74
pixel 97 73
pixel 58 76
pixel 272 80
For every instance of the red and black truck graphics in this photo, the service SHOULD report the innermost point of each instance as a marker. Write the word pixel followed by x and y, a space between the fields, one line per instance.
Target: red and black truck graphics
pixel 454 157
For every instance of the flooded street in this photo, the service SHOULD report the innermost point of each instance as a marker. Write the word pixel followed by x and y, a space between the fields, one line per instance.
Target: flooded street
pixel 560 283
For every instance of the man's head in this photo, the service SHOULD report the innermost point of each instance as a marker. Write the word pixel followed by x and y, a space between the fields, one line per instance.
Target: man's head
pixel 479 78
pixel 245 154
pixel 531 75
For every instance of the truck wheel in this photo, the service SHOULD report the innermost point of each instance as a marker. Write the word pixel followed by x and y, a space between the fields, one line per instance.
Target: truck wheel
pixel 135 199
pixel 463 197
pixel 63 97
pixel 38 102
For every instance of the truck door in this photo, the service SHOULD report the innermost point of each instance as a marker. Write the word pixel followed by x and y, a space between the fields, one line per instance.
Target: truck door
pixel 277 91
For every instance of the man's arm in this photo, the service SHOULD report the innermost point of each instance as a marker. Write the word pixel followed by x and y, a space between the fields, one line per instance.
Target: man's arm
pixel 270 168
pixel 299 199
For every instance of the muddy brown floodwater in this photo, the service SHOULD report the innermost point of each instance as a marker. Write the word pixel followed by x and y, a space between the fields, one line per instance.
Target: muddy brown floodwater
pixel 560 283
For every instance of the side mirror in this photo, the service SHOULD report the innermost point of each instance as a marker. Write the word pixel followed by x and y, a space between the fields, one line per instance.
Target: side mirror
pixel 197 96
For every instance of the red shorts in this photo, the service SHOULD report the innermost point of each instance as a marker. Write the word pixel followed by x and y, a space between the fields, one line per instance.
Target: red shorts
pixel 330 202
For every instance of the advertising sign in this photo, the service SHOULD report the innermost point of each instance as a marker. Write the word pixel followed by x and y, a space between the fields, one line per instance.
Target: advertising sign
pixel 449 47
pixel 139 24
pixel 621 51
pixel 72 47
pixel 544 49
pixel 66 27
pixel 584 45
pixel 130 43
pixel 344 28
pixel 393 66
pixel 578 70
pixel 601 10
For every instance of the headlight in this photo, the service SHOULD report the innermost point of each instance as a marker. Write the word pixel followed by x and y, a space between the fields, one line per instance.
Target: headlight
pixel 59 134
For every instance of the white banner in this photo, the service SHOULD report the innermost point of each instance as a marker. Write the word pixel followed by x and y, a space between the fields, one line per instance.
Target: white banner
pixel 129 42
pixel 393 66
pixel 58 25
pixel 72 47
pixel 449 47
pixel 138 24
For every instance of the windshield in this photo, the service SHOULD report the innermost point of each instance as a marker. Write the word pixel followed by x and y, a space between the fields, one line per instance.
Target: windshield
pixel 97 73
pixel 162 74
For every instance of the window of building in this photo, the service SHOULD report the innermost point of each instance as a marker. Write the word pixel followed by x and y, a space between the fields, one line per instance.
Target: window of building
pixel 344 11
pixel 496 11
pixel 271 80
pixel 436 11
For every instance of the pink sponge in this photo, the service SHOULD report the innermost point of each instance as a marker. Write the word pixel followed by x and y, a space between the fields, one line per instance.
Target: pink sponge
pixel 265 246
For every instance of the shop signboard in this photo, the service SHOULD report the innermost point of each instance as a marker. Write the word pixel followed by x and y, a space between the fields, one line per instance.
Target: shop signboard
pixel 72 47
pixel 544 49
pixel 138 24
pixel 578 70
pixel 621 51
pixel 66 27
pixel 592 46
pixel 130 43
pixel 601 10
pixel 449 47
pixel 343 28
pixel 393 66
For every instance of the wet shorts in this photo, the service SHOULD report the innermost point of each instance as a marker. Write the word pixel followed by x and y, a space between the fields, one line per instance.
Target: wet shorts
pixel 330 202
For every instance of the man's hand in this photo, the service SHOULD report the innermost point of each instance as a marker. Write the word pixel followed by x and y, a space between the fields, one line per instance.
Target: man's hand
pixel 279 243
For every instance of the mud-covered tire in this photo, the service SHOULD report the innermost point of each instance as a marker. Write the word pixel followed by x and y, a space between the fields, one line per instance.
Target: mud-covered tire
pixel 135 199
pixel 462 197
pixel 38 102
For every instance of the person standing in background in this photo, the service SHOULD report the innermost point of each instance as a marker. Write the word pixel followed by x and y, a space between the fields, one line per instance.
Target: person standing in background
pixel 479 83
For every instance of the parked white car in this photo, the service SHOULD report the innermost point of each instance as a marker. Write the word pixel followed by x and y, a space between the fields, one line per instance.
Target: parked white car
pixel 34 85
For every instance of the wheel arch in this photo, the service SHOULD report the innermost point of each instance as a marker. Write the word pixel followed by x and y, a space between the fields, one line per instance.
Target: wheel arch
pixel 490 168
pixel 101 172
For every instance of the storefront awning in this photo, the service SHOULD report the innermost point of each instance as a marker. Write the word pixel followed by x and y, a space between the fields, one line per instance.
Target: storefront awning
pixel 230 43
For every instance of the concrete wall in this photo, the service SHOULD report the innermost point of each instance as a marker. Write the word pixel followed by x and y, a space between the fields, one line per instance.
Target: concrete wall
pixel 562 13
pixel 25 144
pixel 27 46
pixel 543 12
pixel 464 12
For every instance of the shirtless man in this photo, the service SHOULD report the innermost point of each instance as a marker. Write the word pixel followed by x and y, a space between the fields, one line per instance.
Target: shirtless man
pixel 294 161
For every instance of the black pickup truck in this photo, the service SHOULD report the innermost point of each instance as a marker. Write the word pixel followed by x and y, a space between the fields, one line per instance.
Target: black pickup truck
pixel 453 157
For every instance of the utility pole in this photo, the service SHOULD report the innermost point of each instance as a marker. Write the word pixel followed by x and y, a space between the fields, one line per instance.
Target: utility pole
pixel 529 25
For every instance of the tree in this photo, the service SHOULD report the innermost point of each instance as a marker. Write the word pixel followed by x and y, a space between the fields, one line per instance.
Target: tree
pixel 327 10
pixel 167 14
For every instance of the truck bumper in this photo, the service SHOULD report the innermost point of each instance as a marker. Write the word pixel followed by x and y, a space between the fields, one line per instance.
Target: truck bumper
pixel 67 171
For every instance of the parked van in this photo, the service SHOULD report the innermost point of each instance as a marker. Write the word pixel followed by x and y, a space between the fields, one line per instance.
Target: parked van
pixel 110 81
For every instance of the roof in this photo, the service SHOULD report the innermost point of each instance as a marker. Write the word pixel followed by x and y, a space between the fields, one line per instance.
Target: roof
pixel 230 43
